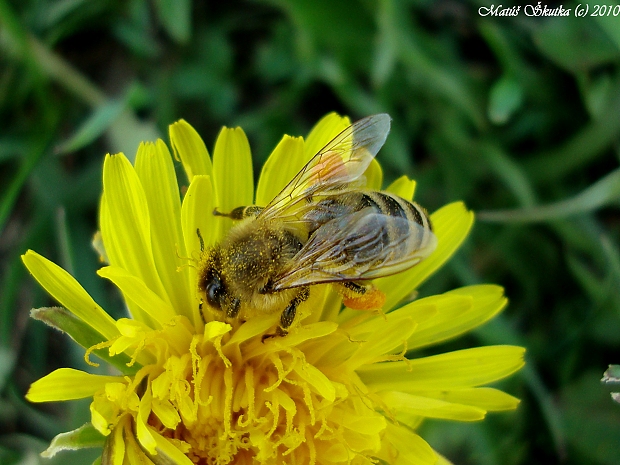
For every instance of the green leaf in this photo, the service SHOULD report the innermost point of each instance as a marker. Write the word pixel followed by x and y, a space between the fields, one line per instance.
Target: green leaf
pixel 384 57
pixel 609 24
pixel 65 321
pixel 587 144
pixel 505 98
pixel 175 17
pixel 83 437
pixel 11 147
pixel 596 93
pixel 509 172
pixel 28 163
pixel 137 40
pixel 95 125
pixel 575 44
pixel 64 240
pixel 55 12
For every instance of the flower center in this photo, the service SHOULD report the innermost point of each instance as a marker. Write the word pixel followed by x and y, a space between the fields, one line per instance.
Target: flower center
pixel 260 401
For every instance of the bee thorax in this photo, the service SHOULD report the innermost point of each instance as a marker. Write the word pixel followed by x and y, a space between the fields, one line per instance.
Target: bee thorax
pixel 246 264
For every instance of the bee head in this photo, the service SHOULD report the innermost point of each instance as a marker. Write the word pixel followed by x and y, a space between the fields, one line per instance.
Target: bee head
pixel 213 285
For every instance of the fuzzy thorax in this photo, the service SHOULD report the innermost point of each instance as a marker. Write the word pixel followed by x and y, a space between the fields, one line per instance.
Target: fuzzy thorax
pixel 244 267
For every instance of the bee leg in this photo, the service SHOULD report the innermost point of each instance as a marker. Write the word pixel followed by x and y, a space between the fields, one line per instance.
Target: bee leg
pixel 200 311
pixel 362 296
pixel 356 287
pixel 240 213
pixel 288 315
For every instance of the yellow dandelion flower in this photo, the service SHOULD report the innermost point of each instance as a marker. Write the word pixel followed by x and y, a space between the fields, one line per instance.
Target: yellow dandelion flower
pixel 342 387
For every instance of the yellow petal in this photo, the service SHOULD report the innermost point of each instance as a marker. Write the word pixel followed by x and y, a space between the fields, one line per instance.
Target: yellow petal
pixel 374 175
pixel 330 306
pixel 156 172
pixel 118 445
pixel 144 433
pixel 98 418
pixel 361 422
pixel 189 147
pixel 403 187
pixel 337 452
pixel 451 225
pixel 134 289
pixel 485 398
pixel 286 160
pixel 215 329
pixel 458 311
pixel 232 173
pixel 323 132
pixel 307 332
pixel 170 454
pixel 411 449
pixel 317 380
pixel 387 337
pixel 68 292
pixel 135 454
pixel 125 222
pixel 197 218
pixel 296 337
pixel 285 401
pixel 416 312
pixel 68 384
pixel 197 215
pixel 441 460
pixel 452 370
pixel 251 328
pixel 398 402
pixel 166 413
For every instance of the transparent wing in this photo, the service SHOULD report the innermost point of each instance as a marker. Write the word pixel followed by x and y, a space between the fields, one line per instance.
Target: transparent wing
pixel 333 169
pixel 358 246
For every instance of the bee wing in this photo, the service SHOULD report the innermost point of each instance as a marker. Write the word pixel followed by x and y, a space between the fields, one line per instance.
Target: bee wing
pixel 358 246
pixel 341 162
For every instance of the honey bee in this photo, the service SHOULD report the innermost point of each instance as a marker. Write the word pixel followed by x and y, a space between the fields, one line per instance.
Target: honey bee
pixel 323 227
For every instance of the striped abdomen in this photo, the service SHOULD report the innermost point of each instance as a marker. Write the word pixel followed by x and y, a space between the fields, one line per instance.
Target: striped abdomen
pixel 393 205
pixel 397 235
pixel 359 235
pixel 389 227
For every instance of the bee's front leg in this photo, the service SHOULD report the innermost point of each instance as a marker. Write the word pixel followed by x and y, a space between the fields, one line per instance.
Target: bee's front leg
pixel 288 315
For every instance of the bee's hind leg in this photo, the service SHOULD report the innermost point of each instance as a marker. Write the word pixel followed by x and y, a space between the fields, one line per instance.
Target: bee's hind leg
pixel 356 287
pixel 360 296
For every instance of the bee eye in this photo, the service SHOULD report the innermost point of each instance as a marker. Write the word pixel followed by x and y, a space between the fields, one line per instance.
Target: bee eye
pixel 214 291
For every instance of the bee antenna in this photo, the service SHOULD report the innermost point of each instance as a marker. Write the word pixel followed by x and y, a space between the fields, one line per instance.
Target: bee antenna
pixel 202 242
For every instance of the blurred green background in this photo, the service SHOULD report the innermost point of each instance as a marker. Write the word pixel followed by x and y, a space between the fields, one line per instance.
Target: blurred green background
pixel 517 116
